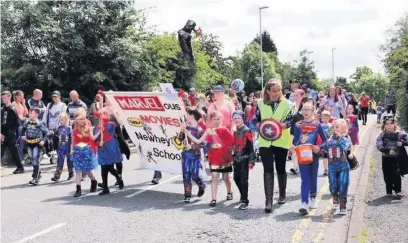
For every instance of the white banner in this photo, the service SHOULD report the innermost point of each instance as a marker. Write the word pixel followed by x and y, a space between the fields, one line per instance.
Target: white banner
pixel 152 121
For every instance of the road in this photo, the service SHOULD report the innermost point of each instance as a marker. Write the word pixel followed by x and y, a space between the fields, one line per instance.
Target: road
pixel 156 213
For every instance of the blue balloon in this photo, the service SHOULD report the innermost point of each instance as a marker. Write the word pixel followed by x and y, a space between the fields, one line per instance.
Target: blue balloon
pixel 237 85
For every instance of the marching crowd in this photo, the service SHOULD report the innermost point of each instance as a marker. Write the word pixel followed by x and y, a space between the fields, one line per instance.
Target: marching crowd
pixel 277 125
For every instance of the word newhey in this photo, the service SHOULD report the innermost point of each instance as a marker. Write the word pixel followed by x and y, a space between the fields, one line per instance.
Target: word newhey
pixel 153 138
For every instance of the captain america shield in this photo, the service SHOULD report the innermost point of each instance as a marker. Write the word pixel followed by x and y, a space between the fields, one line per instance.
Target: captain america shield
pixel 270 129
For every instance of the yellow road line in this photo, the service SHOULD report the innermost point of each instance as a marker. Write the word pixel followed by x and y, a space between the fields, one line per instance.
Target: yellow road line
pixel 304 223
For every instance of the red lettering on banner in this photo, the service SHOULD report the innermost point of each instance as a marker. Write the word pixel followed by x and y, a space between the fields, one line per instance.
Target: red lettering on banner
pixel 160 120
pixel 141 103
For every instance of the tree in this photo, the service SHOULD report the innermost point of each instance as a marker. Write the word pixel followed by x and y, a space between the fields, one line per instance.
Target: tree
pixel 342 82
pixel 73 45
pixel 268 45
pixel 360 72
pixel 305 70
pixel 287 72
pixel 248 67
pixel 374 85
pixel 396 64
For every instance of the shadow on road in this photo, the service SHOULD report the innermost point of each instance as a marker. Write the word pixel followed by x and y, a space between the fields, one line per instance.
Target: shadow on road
pixel 157 200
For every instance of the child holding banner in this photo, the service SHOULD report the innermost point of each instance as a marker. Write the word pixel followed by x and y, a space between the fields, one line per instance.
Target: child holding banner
pixel 109 152
pixel 191 160
pixel 219 155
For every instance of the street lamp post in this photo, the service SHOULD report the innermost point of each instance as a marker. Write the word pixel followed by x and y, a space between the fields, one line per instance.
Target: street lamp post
pixel 308 56
pixel 260 40
pixel 333 48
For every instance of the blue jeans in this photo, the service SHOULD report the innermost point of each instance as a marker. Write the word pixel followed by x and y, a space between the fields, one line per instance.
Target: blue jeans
pixel 308 175
pixel 34 154
pixel 339 178
pixel 21 143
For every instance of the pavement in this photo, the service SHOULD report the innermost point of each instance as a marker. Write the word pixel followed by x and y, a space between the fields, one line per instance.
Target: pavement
pixel 385 220
pixel 143 212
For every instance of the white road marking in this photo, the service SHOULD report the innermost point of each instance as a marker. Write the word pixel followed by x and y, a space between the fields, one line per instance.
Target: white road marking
pixel 31 237
pixel 153 186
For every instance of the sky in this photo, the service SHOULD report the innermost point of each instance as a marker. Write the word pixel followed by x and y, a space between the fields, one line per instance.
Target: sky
pixel 355 28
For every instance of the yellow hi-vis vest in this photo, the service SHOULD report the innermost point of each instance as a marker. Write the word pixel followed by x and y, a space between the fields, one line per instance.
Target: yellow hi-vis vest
pixel 284 107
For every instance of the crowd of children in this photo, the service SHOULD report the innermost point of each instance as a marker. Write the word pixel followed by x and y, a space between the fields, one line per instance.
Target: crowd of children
pixel 316 134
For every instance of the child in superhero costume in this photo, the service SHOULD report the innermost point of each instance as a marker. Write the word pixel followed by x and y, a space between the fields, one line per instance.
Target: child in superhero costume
pixel 83 152
pixel 64 137
pixel 337 147
pixel 328 130
pixel 219 154
pixel 390 143
pixel 33 133
pixel 307 132
pixel 353 125
pixel 244 156
pixel 191 157
pixel 108 151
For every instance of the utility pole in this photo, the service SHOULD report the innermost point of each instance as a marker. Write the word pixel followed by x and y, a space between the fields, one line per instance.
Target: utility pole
pixel 308 56
pixel 333 48
pixel 260 41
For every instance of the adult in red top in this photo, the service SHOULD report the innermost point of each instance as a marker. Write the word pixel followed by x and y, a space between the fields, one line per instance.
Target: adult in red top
pixel 364 104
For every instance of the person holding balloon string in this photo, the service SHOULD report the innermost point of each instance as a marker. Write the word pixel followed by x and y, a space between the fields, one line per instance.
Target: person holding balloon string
pixel 306 133
pixel 274 116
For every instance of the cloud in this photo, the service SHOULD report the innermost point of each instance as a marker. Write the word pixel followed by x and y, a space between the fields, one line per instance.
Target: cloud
pixel 355 27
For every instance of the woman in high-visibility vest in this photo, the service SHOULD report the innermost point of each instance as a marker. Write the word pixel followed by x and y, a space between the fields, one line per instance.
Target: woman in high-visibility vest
pixel 274 105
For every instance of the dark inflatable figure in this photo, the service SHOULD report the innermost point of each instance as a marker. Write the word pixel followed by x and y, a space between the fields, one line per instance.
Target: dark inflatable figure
pixel 185 39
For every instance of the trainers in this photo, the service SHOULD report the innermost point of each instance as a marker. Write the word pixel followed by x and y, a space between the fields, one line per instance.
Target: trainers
pixel 335 204
pixel 389 194
pixel 303 209
pixel 294 171
pixel 33 182
pixel 155 181
pixel 243 206
pixel 326 172
pixel 343 211
pixel 312 203
pixel 19 171
pixel 398 196
pixel 187 199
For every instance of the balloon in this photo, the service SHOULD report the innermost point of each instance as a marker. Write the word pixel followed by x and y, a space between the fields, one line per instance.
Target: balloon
pixel 237 85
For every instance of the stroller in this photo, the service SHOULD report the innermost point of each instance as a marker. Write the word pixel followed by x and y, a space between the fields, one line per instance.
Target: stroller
pixel 50 148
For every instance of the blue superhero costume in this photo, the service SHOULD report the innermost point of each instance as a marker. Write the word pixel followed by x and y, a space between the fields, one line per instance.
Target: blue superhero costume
pixel 339 168
pixel 191 162
pixel 35 132
pixel 307 133
pixel 64 138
